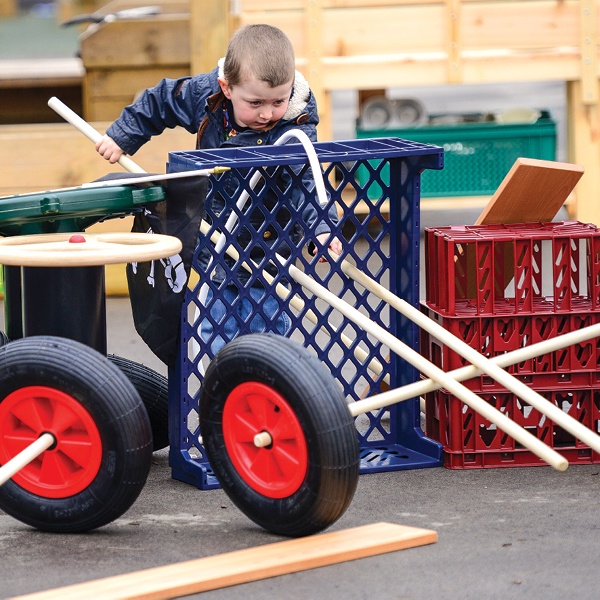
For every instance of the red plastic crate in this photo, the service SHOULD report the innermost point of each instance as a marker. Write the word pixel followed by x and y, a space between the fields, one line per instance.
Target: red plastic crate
pixel 524 268
pixel 471 441
pixel 493 336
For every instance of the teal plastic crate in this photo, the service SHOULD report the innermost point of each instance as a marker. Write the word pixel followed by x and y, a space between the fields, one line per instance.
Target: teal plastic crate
pixel 477 156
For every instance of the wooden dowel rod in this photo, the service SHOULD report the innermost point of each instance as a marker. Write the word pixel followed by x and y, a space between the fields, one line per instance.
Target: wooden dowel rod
pixel 81 125
pixel 420 388
pixel 86 129
pixel 525 438
pixel 520 389
pixel 21 460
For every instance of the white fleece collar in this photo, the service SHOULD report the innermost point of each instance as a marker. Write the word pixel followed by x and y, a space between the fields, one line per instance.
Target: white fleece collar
pixel 300 93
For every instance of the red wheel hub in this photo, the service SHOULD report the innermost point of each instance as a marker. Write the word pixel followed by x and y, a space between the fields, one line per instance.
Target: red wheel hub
pixel 68 466
pixel 278 469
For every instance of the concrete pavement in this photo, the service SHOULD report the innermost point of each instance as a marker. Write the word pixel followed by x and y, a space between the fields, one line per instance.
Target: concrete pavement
pixel 503 533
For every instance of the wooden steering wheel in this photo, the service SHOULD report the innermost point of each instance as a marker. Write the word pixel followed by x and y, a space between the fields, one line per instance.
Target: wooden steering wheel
pixel 85 249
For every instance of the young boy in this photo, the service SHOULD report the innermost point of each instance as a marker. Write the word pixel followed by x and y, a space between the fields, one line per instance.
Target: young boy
pixel 251 98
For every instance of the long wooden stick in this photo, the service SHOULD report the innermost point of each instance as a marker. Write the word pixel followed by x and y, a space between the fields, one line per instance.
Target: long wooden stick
pixel 393 395
pixel 74 119
pixel 23 458
pixel 420 388
pixel 298 304
pixel 545 407
pixel 493 415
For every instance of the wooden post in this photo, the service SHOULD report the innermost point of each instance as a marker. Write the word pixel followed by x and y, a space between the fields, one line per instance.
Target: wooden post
pixel 453 14
pixel 209 33
pixel 584 149
pixel 583 117
pixel 313 20
pixel 589 52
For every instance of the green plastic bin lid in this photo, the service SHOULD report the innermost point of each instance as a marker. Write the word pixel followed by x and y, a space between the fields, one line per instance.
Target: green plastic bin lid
pixel 74 209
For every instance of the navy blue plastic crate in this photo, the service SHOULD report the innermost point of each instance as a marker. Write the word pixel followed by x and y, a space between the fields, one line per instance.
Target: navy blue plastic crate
pixel 381 237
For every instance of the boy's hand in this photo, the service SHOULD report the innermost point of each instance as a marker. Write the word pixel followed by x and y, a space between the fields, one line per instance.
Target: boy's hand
pixel 109 149
pixel 334 245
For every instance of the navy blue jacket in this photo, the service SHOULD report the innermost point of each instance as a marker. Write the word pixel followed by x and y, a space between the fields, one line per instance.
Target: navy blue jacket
pixel 197 104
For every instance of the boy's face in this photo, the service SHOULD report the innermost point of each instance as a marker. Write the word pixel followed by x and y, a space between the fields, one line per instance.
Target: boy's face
pixel 256 104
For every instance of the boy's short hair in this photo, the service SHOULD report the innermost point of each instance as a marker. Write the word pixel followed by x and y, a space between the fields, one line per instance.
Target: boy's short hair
pixel 260 51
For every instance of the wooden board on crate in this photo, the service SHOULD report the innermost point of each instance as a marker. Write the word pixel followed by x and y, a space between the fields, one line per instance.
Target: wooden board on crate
pixel 251 564
pixel 532 191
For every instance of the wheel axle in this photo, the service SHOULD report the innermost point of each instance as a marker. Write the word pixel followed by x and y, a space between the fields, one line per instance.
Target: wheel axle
pixel 263 439
pixel 21 460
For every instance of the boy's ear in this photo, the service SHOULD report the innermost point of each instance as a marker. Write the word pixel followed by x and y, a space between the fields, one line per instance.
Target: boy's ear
pixel 225 88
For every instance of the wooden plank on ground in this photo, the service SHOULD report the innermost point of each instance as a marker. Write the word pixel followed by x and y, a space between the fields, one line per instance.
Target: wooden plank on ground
pixel 532 191
pixel 251 564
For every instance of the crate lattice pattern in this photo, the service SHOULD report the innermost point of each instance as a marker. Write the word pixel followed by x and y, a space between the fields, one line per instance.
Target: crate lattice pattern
pixel 371 232
pixel 507 287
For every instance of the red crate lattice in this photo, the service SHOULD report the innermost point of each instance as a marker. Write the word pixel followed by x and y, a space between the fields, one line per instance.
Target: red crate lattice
pixel 465 433
pixel 493 336
pixel 513 269
pixel 500 288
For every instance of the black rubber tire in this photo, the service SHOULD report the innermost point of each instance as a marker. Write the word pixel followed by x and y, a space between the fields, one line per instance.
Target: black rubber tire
pixel 153 389
pixel 118 413
pixel 4 339
pixel 318 407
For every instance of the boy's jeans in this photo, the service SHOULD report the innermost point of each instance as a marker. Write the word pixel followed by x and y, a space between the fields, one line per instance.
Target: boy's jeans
pixel 222 307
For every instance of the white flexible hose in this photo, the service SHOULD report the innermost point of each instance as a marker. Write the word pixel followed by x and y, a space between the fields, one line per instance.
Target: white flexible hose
pixel 233 218
pixel 315 166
